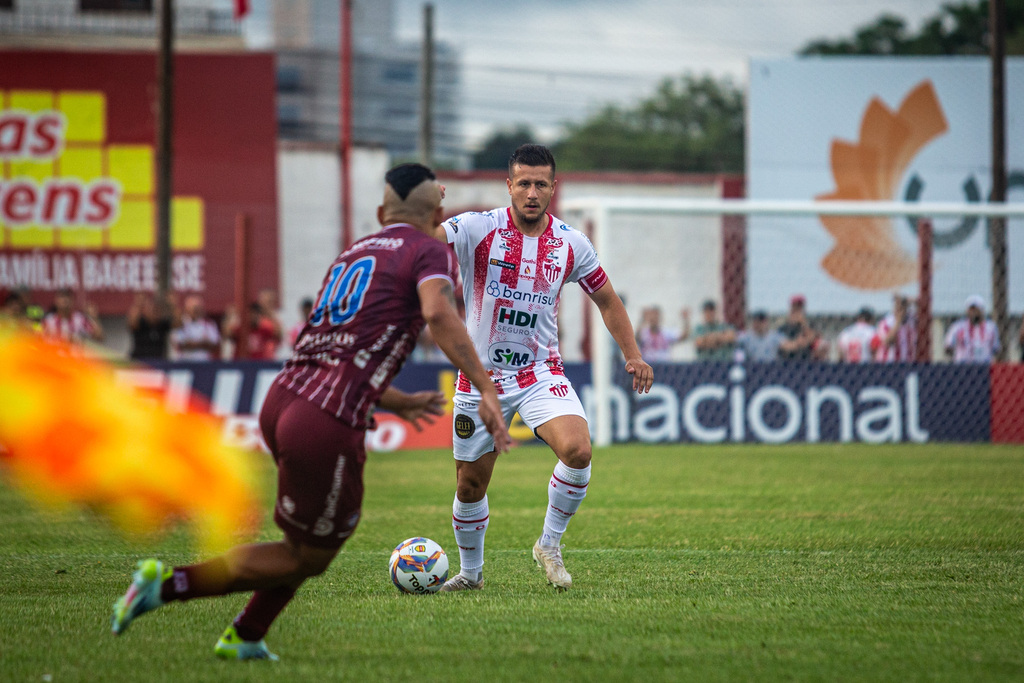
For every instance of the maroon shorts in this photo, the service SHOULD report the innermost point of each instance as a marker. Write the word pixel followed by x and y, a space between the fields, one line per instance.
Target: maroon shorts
pixel 319 469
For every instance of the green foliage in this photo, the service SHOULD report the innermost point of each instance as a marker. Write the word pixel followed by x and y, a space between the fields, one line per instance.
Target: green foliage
pixel 496 150
pixel 689 125
pixel 812 562
pixel 958 29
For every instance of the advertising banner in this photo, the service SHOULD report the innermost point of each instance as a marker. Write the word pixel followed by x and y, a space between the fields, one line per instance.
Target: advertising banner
pixel 693 403
pixel 78 174
pixel 885 129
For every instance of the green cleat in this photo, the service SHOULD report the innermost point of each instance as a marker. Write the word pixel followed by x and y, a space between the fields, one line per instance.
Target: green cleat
pixel 230 646
pixel 142 596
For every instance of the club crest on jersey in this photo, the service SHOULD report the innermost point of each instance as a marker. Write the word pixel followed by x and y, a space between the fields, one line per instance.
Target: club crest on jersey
pixel 552 271
pixel 510 355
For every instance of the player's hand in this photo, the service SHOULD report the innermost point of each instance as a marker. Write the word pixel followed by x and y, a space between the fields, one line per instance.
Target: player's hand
pixel 422 405
pixel 494 421
pixel 643 375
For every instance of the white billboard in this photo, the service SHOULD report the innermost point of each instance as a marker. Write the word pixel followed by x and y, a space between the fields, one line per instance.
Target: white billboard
pixel 877 128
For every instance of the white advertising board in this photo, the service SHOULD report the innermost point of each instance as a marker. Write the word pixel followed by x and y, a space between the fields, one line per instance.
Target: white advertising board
pixel 877 128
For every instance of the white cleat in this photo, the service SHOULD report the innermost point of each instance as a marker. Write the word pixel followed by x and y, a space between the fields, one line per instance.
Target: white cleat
pixel 549 558
pixel 461 583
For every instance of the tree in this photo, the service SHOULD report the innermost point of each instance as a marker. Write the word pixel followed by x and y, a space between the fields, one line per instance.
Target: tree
pixel 958 29
pixel 689 125
pixel 496 149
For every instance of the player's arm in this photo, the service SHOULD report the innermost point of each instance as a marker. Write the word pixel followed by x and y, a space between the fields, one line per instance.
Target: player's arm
pixel 437 303
pixel 422 405
pixel 617 321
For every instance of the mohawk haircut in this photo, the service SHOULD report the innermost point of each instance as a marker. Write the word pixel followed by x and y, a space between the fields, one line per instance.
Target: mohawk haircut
pixel 404 178
pixel 531 155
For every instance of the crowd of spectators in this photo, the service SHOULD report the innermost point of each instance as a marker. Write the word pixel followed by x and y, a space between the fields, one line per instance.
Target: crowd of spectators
pixel 160 329
pixel 891 338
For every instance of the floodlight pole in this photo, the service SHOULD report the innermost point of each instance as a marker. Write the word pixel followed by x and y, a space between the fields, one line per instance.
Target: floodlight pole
pixel 345 133
pixel 164 159
pixel 997 225
pixel 427 88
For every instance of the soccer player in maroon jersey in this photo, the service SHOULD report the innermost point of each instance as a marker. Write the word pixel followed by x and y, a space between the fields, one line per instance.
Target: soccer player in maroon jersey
pixel 375 299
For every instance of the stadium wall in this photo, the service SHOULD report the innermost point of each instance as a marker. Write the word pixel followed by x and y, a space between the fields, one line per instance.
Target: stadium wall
pixel 691 403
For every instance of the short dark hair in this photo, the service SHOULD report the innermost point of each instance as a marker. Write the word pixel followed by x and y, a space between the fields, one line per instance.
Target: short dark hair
pixel 531 155
pixel 405 177
pixel 759 314
pixel 709 305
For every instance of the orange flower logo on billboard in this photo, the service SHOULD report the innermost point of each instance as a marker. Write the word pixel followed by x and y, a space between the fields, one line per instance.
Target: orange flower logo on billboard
pixel 866 254
pixel 64 184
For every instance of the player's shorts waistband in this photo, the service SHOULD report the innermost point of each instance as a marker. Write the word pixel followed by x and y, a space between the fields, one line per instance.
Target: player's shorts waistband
pixel 521 379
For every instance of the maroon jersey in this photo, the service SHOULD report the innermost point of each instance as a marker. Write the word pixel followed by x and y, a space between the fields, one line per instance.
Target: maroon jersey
pixel 365 322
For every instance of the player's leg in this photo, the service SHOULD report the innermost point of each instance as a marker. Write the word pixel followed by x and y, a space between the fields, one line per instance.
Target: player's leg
pixel 474 453
pixel 556 415
pixel 470 518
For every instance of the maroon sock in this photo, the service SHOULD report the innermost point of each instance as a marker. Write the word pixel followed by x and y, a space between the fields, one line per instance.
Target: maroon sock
pixel 196 581
pixel 254 621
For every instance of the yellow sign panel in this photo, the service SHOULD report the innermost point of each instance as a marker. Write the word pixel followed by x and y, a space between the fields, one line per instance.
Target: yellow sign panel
pixel 64 184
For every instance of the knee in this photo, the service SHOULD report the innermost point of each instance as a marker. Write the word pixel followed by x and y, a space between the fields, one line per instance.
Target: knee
pixel 577 456
pixel 310 561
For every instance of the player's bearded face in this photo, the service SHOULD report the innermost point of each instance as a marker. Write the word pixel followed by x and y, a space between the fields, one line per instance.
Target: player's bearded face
pixel 531 188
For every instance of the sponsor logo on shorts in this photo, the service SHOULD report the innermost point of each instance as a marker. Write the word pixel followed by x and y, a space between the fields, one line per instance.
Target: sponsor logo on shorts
pixel 559 390
pixel 323 527
pixel 464 426
pixel 288 505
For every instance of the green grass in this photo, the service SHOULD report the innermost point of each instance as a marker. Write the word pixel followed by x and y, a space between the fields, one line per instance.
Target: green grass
pixel 689 563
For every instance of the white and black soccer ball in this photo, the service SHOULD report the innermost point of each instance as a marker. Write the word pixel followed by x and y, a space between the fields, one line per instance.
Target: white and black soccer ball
pixel 418 565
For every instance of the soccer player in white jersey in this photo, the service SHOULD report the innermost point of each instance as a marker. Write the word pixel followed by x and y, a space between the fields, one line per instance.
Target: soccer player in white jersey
pixel 514 262
pixel 855 340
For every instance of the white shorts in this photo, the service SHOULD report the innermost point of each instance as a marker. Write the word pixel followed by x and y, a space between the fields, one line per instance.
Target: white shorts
pixel 550 397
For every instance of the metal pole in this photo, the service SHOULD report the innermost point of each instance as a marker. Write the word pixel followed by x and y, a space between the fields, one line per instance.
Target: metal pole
pixel 242 285
pixel 427 88
pixel 345 91
pixel 164 152
pixel 997 226
pixel 923 352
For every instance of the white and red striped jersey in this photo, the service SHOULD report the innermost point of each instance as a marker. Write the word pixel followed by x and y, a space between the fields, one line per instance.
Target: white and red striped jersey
pixel 511 284
pixel 904 348
pixel 973 343
pixel 854 342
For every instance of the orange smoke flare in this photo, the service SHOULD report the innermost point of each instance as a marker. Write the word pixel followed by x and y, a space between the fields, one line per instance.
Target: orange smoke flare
pixel 70 434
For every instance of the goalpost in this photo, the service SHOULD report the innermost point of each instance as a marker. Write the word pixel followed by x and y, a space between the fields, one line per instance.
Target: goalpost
pixel 600 216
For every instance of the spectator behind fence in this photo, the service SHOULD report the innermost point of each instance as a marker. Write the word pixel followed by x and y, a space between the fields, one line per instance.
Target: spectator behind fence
pixel 196 338
pixel 973 338
pixel 14 314
pixel 715 340
pixel 855 341
pixel 150 323
pixel 655 341
pixel 800 340
pixel 69 324
pixel 264 327
pixel 305 310
pixel 760 343
pixel 896 334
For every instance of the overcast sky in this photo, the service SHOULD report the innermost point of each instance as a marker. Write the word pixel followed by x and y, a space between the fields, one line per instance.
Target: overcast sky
pixel 543 62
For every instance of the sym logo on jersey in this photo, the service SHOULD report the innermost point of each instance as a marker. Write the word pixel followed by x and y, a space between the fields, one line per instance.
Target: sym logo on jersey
pixel 510 355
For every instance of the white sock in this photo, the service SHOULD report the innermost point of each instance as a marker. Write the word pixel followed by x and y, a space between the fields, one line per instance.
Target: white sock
pixel 470 523
pixel 567 489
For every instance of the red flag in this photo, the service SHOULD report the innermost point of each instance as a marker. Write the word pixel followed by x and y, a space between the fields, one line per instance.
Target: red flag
pixel 241 8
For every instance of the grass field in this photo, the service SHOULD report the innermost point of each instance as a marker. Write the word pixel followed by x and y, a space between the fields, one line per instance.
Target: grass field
pixel 723 563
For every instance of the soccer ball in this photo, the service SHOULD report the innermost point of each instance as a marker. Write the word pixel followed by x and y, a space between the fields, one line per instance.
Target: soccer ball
pixel 418 565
